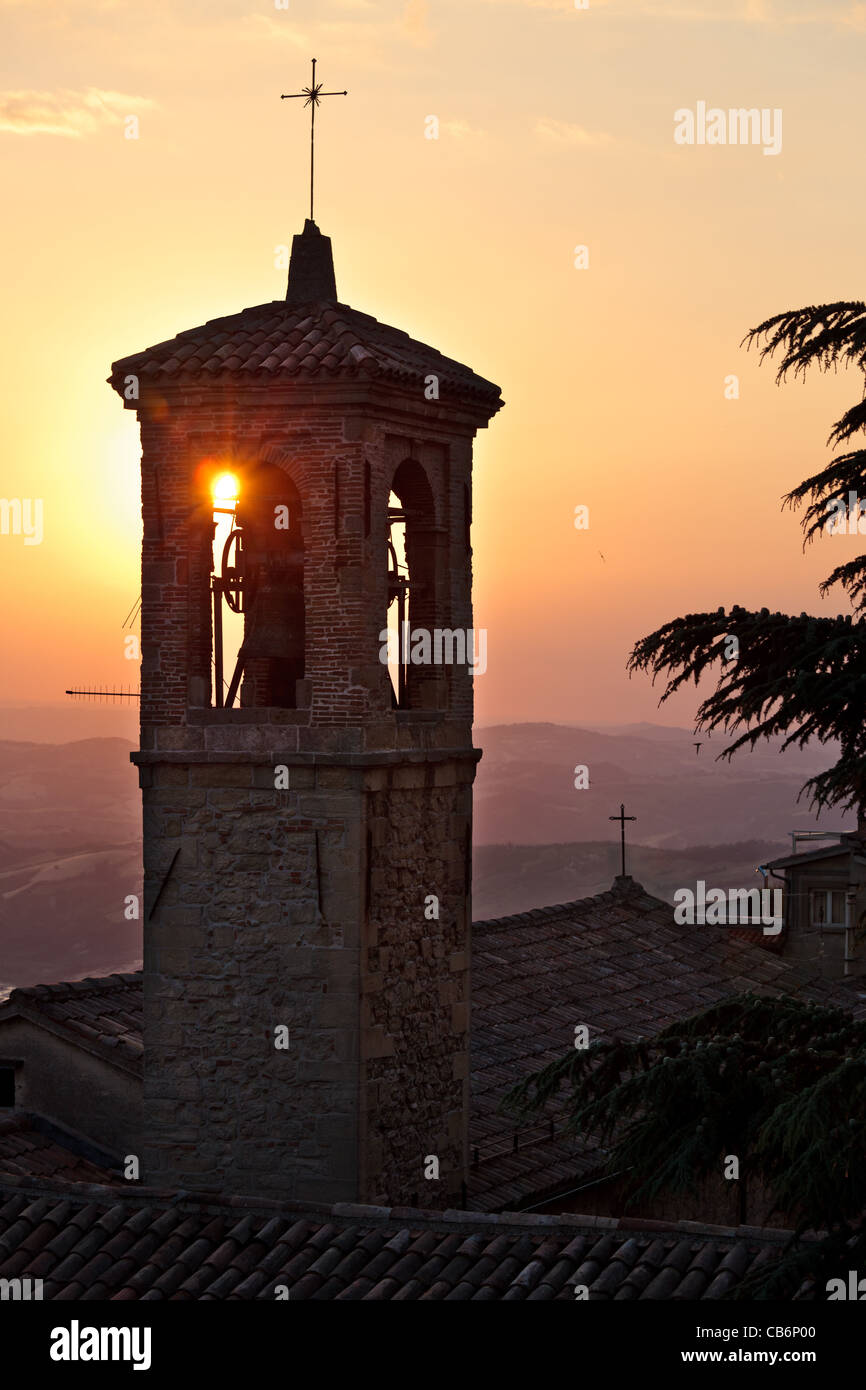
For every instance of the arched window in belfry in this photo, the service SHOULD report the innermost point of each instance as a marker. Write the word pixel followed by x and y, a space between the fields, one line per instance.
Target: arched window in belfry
pixel 398 601
pixel 259 573
pixel 411 584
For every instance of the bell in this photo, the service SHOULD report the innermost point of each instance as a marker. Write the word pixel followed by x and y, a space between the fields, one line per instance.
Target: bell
pixel 275 623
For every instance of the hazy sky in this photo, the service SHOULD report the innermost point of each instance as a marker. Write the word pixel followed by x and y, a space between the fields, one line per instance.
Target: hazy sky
pixel 556 130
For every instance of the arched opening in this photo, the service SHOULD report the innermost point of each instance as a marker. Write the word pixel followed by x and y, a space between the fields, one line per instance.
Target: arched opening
pixel 258 593
pixel 227 620
pixel 398 602
pixel 411 591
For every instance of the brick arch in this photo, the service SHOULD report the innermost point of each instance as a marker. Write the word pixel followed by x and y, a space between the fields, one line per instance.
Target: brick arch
pixel 294 464
pixel 307 477
pixel 412 485
pixel 270 483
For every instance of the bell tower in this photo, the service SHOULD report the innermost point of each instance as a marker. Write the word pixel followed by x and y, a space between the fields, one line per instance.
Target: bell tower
pixel 306 757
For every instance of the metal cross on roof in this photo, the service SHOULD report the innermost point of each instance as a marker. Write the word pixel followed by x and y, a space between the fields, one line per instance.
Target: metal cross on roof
pixel 313 95
pixel 622 818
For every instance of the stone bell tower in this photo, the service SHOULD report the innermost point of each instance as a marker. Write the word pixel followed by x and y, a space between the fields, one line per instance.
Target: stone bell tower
pixel 307 805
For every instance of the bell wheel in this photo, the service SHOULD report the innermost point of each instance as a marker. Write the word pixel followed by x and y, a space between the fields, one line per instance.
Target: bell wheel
pixel 232 571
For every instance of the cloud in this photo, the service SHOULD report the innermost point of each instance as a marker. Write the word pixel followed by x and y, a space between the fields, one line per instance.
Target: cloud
pixel 64 112
pixel 460 130
pixel 565 5
pixel 415 23
pixel 564 133
pixel 773 14
pixel 364 36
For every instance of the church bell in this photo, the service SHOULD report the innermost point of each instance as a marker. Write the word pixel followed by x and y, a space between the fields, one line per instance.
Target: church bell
pixel 275 620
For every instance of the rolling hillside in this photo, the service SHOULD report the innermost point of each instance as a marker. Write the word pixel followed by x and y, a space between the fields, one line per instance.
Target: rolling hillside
pixel 70 827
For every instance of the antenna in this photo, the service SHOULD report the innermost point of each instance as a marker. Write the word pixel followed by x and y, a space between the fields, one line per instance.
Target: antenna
pixel 103 694
pixel 133 613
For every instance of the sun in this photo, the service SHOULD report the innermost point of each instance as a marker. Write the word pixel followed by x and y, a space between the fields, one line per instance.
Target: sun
pixel 225 488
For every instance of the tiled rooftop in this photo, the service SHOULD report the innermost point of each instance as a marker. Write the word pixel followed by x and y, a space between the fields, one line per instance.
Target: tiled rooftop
pixel 617 963
pixel 28 1151
pixel 103 1015
pixel 88 1243
pixel 321 341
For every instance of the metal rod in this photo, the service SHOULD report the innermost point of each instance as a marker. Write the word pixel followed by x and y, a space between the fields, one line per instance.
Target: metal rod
pixel 313 104
pixel 155 903
pixel 235 682
pixel 107 694
pixel 218 642
pixel 313 95
pixel 318 877
pixel 130 617
pixel 401 646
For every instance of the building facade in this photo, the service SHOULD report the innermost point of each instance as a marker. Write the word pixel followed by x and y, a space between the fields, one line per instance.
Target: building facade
pixel 825 905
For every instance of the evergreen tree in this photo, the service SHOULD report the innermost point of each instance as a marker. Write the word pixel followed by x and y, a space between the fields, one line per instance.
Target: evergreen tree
pixel 803 677
pixel 778 1083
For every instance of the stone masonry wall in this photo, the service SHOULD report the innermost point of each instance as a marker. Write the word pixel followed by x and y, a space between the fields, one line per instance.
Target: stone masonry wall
pixel 306 907
pixel 237 945
pixel 415 986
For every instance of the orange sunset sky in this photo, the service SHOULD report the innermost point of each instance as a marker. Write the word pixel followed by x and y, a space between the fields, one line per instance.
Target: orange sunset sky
pixel 556 130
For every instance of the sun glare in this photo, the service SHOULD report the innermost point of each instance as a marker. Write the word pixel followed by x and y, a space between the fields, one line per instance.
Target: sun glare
pixel 225 488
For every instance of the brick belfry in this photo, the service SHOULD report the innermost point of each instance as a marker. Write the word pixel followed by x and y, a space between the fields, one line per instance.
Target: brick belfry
pixel 307 816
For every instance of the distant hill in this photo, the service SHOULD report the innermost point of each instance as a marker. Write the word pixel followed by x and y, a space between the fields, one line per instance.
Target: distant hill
pixel 70 828
pixel 59 799
pixel 70 853
pixel 525 794
pixel 517 878
pixel 70 721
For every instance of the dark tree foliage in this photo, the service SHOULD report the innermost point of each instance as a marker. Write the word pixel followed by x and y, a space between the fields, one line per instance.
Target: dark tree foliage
pixel 802 677
pixel 777 1082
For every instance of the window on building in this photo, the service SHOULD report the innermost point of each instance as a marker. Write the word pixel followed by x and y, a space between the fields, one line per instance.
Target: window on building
pixel 7 1087
pixel 827 907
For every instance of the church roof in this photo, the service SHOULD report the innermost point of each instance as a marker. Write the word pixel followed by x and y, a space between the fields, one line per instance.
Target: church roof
pixel 307 336
pixel 33 1149
pixel 618 963
pixel 317 341
pixel 103 1243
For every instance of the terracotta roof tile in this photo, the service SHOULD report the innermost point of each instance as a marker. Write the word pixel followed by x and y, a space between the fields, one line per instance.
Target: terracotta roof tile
pixel 103 1014
pixel 617 963
pixel 29 1150
pixel 286 341
pixel 172 1246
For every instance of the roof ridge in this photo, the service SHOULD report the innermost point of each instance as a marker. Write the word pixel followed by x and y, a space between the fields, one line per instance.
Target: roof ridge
pixel 89 984
pixel 358 1214
pixel 616 894
pixel 232 345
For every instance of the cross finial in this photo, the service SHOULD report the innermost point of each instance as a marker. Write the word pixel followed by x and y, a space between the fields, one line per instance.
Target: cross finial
pixel 622 818
pixel 313 95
